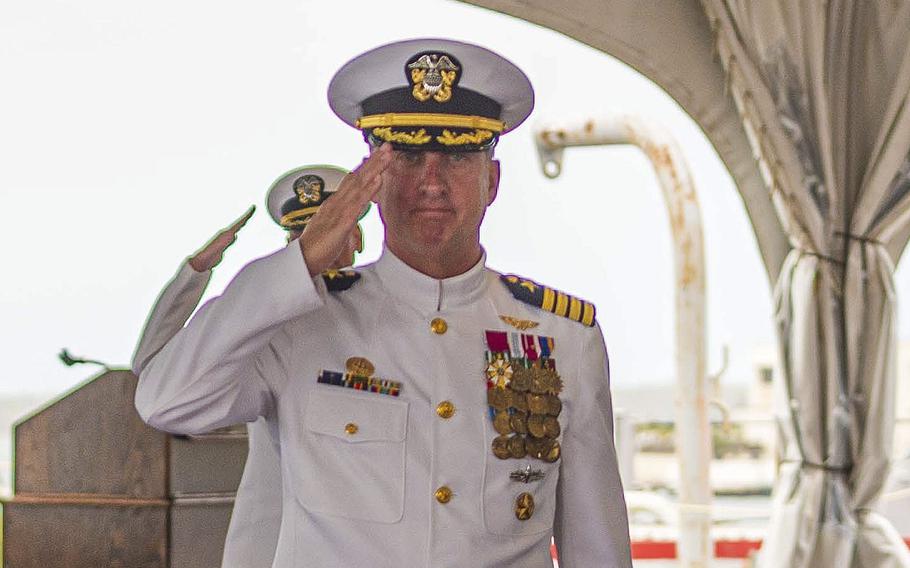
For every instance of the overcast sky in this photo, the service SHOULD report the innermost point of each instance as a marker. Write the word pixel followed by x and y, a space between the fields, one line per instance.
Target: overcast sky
pixel 130 132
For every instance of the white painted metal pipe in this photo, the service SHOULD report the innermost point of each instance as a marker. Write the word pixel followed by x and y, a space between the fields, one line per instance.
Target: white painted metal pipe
pixel 693 435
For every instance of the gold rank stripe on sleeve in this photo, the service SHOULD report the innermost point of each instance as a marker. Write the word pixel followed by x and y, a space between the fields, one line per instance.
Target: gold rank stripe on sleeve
pixel 340 280
pixel 574 309
pixel 550 300
pixel 562 303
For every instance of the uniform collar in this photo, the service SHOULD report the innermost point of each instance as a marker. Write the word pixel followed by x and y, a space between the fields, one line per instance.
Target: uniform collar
pixel 424 292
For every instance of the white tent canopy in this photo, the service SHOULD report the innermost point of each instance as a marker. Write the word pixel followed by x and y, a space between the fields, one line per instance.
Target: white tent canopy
pixel 806 103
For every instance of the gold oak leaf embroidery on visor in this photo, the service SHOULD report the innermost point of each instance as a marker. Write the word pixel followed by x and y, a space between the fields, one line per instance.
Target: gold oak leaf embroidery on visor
pixel 477 137
pixel 415 137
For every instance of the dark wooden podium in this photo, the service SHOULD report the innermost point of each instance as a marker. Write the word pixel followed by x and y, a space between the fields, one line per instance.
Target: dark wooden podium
pixel 96 487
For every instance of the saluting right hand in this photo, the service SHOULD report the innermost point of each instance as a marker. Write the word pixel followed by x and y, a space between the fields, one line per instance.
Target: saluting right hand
pixel 327 233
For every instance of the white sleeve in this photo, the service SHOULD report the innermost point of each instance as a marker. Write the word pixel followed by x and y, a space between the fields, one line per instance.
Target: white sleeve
pixel 173 307
pixel 211 374
pixel 591 526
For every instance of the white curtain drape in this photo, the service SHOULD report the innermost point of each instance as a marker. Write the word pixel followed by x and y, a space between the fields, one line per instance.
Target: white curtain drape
pixel 822 88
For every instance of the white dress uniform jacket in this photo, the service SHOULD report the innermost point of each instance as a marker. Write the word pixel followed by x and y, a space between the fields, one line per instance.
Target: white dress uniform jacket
pixel 253 531
pixel 361 469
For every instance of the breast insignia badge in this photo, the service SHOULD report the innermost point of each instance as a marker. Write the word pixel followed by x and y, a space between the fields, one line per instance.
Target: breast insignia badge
pixel 524 506
pixel 360 366
pixel 519 324
pixel 526 475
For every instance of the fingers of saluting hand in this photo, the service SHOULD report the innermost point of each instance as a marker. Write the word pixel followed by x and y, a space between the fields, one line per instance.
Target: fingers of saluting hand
pixel 358 187
pixel 241 221
pixel 211 253
pixel 326 234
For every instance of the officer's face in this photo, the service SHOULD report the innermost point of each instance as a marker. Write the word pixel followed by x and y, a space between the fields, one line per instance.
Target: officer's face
pixel 432 203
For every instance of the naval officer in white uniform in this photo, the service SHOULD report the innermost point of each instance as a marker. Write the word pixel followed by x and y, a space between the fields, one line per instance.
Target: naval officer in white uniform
pixel 431 412
pixel 256 518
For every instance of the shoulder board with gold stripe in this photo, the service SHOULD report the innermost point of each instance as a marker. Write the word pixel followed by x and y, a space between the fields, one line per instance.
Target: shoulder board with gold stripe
pixel 550 300
pixel 339 280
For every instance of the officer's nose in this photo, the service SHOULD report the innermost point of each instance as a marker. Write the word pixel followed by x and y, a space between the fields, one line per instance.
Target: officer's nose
pixel 434 181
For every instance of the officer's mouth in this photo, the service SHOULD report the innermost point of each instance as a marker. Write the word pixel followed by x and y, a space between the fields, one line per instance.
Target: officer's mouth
pixel 432 213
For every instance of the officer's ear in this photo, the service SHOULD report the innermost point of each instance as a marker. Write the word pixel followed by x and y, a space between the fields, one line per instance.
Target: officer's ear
pixel 493 180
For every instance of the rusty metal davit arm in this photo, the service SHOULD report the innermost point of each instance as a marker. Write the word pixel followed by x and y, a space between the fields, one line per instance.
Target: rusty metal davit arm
pixel 693 436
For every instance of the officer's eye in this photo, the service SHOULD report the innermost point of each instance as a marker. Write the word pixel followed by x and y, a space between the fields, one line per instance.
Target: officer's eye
pixel 411 157
pixel 457 157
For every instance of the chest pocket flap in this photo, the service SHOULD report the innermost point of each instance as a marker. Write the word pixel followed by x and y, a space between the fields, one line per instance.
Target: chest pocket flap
pixel 357 419
pixel 351 461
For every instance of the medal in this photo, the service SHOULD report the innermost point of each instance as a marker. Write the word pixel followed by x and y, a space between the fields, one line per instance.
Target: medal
pixel 520 401
pixel 499 372
pixel 539 380
pixel 551 427
pixel 501 447
pixel 517 447
pixel 519 423
pixel 552 452
pixel 553 383
pixel 554 406
pixel 538 403
pixel 521 379
pixel 536 426
pixel 535 447
pixel 501 422
pixel 497 398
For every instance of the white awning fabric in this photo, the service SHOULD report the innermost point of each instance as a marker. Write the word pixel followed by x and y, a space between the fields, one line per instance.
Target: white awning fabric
pixel 671 43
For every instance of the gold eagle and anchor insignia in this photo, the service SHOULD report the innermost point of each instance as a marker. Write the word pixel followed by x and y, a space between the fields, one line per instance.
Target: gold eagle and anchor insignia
pixel 433 75
pixel 309 189
pixel 340 280
pixel 549 300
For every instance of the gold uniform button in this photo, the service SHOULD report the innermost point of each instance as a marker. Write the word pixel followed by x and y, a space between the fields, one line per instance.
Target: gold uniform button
pixel 439 326
pixel 350 428
pixel 443 494
pixel 445 409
